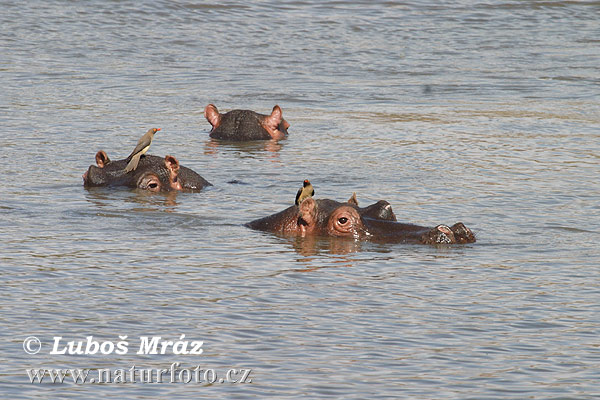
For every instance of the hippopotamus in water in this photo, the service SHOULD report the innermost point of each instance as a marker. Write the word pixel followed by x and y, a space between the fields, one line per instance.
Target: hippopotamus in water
pixel 376 222
pixel 242 125
pixel 153 173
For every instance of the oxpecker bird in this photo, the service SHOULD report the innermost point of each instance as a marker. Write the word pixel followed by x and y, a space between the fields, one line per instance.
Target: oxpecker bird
pixel 304 192
pixel 142 147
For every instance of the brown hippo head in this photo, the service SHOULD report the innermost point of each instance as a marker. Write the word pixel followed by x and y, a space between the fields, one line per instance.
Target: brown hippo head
pixel 153 173
pixel 241 125
pixel 376 222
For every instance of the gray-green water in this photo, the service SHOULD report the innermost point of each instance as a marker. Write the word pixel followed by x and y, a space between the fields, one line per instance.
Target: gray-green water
pixel 481 112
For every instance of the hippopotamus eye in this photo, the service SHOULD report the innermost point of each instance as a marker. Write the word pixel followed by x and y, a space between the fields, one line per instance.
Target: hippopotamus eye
pixel 343 220
pixel 153 185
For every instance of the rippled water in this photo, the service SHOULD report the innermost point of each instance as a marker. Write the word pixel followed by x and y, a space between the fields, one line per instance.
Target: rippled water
pixel 486 113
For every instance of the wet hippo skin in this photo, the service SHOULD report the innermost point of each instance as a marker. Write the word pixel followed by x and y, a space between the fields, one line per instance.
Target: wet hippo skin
pixel 242 125
pixel 153 173
pixel 376 222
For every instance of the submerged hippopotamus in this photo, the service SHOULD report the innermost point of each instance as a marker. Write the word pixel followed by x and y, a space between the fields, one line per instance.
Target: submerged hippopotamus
pixel 241 125
pixel 376 222
pixel 153 173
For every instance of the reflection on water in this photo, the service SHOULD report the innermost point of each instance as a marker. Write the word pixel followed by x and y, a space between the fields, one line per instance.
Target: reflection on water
pixel 315 245
pixel 149 201
pixel 248 149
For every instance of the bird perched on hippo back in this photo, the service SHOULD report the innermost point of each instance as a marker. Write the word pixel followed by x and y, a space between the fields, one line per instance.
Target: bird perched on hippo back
pixel 243 125
pixel 142 147
pixel 304 192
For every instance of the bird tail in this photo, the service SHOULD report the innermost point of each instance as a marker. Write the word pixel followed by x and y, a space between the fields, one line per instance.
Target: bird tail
pixel 132 165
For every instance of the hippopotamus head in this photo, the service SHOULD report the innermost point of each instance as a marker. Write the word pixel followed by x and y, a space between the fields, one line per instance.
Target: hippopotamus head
pixel 238 125
pixel 318 217
pixel 376 222
pixel 153 173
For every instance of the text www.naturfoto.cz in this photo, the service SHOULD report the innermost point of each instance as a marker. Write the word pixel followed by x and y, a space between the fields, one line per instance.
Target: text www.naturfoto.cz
pixel 174 374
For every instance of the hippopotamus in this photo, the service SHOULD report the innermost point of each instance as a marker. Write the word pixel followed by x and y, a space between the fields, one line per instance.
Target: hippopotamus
pixel 243 125
pixel 153 173
pixel 376 222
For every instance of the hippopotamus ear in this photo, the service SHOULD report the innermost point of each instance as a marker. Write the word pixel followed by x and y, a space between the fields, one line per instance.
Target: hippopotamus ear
pixel 172 164
pixel 212 115
pixel 271 122
pixel 352 200
pixel 102 159
pixel 308 212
